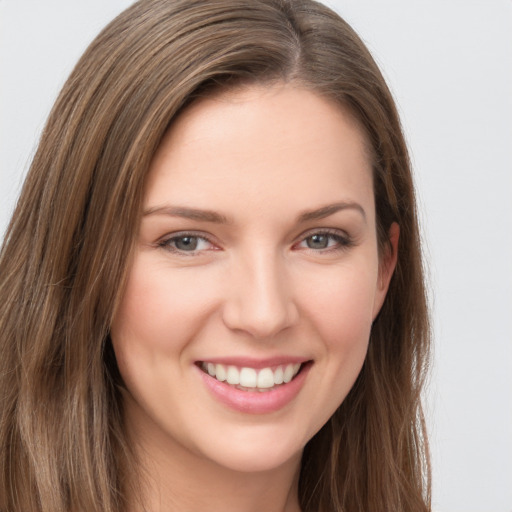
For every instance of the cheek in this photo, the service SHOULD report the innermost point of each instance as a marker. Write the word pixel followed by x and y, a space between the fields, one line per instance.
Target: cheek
pixel 160 310
pixel 338 309
pixel 160 313
pixel 341 305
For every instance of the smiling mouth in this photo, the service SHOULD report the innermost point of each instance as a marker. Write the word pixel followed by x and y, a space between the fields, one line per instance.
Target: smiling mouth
pixel 252 379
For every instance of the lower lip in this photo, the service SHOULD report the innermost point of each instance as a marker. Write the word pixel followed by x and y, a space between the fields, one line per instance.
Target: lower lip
pixel 256 402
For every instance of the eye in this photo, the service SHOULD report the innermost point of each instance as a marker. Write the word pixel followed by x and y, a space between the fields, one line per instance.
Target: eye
pixel 325 241
pixel 187 243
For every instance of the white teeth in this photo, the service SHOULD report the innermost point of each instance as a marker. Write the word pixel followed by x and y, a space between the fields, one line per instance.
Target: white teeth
pixel 220 372
pixel 250 378
pixel 278 375
pixel 233 375
pixel 288 373
pixel 265 378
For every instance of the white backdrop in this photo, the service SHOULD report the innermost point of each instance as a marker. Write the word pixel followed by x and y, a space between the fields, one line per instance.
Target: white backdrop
pixel 449 64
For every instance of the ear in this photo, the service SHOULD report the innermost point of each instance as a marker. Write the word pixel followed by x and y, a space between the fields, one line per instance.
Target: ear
pixel 387 266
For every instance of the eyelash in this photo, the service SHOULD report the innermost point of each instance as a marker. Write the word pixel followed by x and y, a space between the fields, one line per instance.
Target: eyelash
pixel 166 243
pixel 341 242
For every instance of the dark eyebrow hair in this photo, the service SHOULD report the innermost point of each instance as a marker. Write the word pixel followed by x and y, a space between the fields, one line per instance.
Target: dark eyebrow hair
pixel 187 213
pixel 217 218
pixel 330 209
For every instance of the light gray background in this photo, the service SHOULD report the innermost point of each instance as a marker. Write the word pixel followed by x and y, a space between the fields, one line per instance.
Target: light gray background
pixel 449 64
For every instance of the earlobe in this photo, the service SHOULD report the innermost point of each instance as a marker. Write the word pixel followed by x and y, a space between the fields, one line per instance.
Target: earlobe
pixel 386 267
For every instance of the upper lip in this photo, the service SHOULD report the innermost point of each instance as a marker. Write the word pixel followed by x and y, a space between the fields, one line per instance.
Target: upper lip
pixel 256 363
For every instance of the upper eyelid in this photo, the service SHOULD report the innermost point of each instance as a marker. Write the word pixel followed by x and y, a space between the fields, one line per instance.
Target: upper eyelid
pixel 212 240
pixel 183 234
pixel 323 231
pixel 345 240
pixel 163 241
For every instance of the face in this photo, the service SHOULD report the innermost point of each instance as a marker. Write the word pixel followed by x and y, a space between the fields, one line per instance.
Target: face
pixel 255 280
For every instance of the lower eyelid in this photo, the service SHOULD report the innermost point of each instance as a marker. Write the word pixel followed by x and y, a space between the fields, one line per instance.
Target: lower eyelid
pixel 342 240
pixel 167 243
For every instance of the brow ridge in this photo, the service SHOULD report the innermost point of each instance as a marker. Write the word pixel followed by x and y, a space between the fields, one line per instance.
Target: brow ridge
pixel 330 209
pixel 187 213
pixel 217 218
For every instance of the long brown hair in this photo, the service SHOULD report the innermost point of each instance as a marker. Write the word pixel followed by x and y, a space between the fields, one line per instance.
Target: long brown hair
pixel 63 444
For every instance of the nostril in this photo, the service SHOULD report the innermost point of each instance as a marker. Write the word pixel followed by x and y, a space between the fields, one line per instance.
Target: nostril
pixel 260 320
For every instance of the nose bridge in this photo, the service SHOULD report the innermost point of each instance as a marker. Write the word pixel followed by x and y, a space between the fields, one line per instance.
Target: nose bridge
pixel 260 301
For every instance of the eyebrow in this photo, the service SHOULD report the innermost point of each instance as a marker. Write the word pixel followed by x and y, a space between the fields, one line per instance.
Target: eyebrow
pixel 217 218
pixel 187 213
pixel 330 209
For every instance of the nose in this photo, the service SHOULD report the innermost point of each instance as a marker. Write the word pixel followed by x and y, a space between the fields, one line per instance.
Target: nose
pixel 259 301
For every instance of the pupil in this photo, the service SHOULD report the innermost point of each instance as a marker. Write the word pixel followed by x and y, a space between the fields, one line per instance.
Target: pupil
pixel 317 242
pixel 186 243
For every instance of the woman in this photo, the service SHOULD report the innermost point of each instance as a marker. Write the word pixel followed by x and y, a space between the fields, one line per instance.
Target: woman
pixel 212 292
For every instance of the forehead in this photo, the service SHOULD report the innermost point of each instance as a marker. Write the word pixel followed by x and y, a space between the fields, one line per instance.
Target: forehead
pixel 262 145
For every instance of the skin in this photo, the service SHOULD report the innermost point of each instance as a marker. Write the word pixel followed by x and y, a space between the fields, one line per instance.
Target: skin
pixel 258 284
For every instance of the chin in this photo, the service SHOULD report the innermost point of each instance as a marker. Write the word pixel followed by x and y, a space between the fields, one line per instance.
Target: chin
pixel 254 448
pixel 256 461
